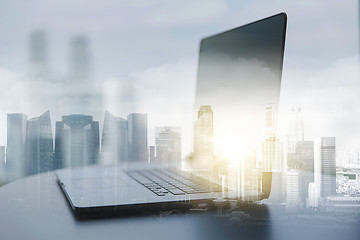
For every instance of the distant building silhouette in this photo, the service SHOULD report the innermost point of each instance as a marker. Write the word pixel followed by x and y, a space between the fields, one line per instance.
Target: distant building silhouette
pixel 292 190
pixel 272 146
pixel 305 156
pixel 295 135
pixel 80 65
pixel 296 129
pixel 39 145
pixel 270 120
pixel 76 141
pixel 273 154
pixel 114 141
pixel 325 166
pixel 203 139
pixel 38 50
pixel 137 129
pixel 16 136
pixel 168 145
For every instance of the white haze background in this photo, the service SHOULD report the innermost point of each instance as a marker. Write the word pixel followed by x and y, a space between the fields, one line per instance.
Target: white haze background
pixel 144 55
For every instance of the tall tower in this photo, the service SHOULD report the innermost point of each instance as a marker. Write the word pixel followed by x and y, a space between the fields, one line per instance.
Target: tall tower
pixel 270 120
pixel 137 129
pixel 305 155
pixel 76 141
pixel 273 161
pixel 39 145
pixel 292 190
pixel 325 166
pixel 114 141
pixel 295 135
pixel 80 59
pixel 38 50
pixel 16 136
pixel 203 139
pixel 296 129
pixel 272 146
pixel 273 154
pixel 168 145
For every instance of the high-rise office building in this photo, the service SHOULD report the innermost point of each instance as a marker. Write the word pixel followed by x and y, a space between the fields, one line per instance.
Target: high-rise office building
pixel 273 154
pixel 39 145
pixel 16 136
pixel 270 120
pixel 305 157
pixel 114 141
pixel 325 166
pixel 76 141
pixel 38 49
pixel 313 198
pixel 296 129
pixel 80 59
pixel 137 137
pixel 203 139
pixel 168 145
pixel 292 190
pixel 295 135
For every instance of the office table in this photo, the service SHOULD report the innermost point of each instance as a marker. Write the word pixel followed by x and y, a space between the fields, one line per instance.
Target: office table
pixel 35 208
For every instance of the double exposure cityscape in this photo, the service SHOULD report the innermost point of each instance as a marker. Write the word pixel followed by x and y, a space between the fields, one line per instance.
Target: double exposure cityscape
pixel 268 136
pixel 307 174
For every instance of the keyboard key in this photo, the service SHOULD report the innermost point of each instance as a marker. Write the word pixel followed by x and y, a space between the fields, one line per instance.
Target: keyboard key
pixel 176 192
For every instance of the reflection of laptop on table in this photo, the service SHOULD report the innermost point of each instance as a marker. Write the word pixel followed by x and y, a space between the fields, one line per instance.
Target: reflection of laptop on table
pixel 239 73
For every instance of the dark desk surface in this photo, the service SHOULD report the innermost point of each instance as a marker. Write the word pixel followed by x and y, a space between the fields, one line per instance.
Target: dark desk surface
pixel 35 208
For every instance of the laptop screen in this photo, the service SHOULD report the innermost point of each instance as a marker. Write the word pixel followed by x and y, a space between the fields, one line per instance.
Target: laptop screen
pixel 237 94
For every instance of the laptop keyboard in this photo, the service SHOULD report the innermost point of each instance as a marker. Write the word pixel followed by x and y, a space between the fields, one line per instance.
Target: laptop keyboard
pixel 163 182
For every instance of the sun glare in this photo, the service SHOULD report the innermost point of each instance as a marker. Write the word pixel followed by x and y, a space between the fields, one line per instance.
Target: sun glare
pixel 231 147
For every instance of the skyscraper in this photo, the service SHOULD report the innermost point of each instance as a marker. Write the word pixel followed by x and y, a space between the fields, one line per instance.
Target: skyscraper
pixel 296 129
pixel 76 141
pixel 168 145
pixel 270 120
pixel 114 142
pixel 137 130
pixel 272 146
pixel 203 139
pixel 305 157
pixel 325 166
pixel 16 136
pixel 38 49
pixel 273 154
pixel 39 145
pixel 292 190
pixel 295 135
pixel 80 59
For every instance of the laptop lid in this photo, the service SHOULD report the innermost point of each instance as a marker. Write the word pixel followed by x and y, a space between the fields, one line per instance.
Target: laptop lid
pixel 238 82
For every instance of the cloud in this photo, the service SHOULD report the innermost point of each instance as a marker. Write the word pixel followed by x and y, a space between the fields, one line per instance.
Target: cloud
pixel 330 100
pixel 21 94
pixel 167 94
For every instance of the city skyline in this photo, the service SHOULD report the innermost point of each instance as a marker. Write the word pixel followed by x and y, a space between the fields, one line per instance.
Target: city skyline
pixel 309 181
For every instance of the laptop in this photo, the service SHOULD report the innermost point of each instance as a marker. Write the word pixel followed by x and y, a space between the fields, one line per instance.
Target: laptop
pixel 239 74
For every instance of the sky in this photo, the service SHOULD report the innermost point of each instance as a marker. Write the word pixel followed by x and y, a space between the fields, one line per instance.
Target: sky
pixel 144 57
